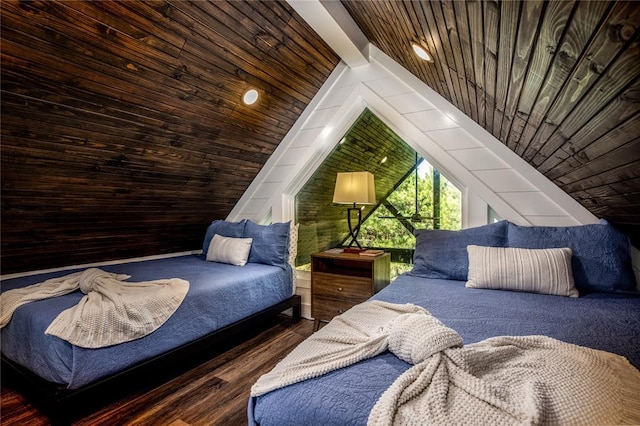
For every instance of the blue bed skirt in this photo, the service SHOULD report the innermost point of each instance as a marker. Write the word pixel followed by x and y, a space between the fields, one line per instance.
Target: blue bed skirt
pixel 609 322
pixel 219 295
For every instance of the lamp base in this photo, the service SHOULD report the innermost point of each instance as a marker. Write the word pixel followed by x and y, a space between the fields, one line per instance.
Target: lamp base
pixel 352 250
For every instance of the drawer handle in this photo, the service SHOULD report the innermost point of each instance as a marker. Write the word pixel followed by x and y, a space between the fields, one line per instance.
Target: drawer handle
pixel 339 288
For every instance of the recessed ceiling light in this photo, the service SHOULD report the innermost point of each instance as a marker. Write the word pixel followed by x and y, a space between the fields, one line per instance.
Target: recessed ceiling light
pixel 250 97
pixel 384 160
pixel 421 52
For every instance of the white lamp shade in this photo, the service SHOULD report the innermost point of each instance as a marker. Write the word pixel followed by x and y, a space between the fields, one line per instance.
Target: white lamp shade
pixel 354 187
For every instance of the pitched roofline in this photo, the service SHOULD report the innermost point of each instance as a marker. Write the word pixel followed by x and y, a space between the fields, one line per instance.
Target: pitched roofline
pixel 400 103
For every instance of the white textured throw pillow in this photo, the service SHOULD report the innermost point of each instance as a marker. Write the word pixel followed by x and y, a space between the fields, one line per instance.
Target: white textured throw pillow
pixel 293 244
pixel 546 271
pixel 229 250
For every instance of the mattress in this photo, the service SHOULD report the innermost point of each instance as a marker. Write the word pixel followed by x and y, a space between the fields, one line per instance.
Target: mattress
pixel 219 295
pixel 605 321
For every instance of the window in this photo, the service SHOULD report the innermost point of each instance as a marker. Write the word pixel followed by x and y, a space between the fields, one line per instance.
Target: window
pixel 370 145
pixel 392 223
pixel 390 226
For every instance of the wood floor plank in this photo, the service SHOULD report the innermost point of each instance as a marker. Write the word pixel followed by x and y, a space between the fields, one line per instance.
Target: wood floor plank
pixel 213 393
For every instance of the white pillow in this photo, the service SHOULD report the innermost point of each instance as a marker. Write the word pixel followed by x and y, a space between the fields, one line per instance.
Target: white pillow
pixel 234 251
pixel 546 271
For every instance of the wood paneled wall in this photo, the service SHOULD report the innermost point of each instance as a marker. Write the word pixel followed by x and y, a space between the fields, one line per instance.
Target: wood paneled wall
pixel 123 131
pixel 558 82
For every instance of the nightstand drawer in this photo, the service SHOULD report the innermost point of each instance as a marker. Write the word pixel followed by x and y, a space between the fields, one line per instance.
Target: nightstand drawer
pixel 341 280
pixel 326 308
pixel 339 286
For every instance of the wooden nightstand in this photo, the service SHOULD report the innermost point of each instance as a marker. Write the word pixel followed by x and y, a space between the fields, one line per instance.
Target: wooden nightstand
pixel 340 281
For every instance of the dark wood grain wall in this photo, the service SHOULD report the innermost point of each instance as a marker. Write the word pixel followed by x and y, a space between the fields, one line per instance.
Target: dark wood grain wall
pixel 558 82
pixel 123 132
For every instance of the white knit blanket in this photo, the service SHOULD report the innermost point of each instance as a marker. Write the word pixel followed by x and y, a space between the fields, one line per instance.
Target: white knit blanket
pixel 499 381
pixel 111 312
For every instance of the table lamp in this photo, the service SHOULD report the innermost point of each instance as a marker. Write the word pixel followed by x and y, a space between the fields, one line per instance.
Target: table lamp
pixel 354 188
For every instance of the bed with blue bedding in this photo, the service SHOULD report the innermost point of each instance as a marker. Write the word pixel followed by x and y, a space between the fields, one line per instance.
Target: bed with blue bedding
pixel 605 316
pixel 222 298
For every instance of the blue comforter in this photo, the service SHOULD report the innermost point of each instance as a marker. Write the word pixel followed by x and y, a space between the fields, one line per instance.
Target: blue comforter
pixel 219 294
pixel 609 322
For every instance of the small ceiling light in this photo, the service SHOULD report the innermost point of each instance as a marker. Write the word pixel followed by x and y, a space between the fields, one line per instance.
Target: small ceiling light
pixel 250 97
pixel 384 160
pixel 421 52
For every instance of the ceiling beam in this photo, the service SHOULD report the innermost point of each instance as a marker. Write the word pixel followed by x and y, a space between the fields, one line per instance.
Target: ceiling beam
pixel 334 24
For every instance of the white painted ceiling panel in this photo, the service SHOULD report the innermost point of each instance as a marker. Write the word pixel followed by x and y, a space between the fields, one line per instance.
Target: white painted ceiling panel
pixel 478 159
pixel 552 221
pixel 253 208
pixel 455 138
pixel 338 96
pixel 386 87
pixel 430 120
pixel 406 103
pixel 320 117
pixel 504 180
pixel 267 188
pixel 306 137
pixel 279 173
pixel 348 80
pixel 292 156
pixel 533 204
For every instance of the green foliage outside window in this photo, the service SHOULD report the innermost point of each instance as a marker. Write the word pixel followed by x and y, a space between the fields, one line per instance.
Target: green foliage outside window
pixel 381 229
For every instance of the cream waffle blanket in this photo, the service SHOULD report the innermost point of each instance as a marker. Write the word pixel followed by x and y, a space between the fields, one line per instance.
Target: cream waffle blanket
pixel 112 311
pixel 499 381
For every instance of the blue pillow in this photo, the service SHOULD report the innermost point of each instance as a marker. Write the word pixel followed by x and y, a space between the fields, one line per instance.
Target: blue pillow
pixel 270 243
pixel 601 261
pixel 224 229
pixel 443 254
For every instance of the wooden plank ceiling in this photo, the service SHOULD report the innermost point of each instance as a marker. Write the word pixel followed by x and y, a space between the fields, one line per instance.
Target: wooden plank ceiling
pixel 558 82
pixel 123 131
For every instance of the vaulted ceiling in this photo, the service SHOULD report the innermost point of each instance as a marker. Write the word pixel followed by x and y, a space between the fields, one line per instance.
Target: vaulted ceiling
pixel 123 132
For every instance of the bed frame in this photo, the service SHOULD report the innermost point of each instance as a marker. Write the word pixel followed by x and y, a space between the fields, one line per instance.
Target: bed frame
pixel 63 405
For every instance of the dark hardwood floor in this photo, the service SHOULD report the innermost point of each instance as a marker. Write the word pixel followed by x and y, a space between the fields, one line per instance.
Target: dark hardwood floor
pixel 213 393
